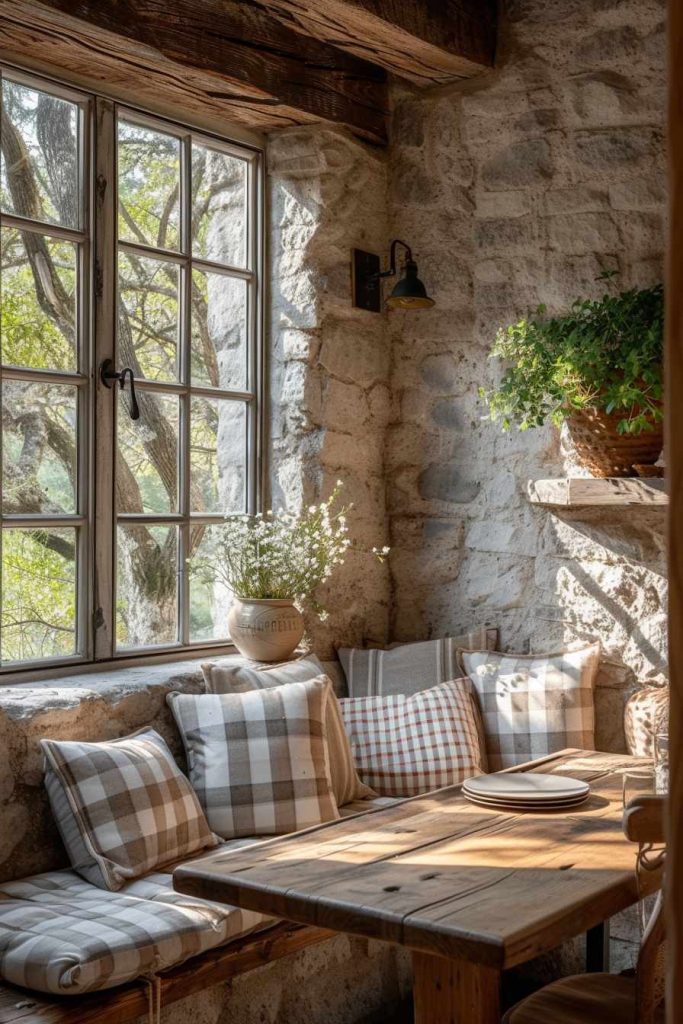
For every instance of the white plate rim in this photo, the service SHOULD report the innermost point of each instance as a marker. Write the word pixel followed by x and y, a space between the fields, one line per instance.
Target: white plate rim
pixel 488 785
pixel 528 803
pixel 535 805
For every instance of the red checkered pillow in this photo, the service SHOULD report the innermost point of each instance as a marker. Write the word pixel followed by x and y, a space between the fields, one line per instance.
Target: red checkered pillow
pixel 409 745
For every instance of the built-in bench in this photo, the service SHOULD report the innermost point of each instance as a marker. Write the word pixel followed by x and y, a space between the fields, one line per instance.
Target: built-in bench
pixel 85 707
pixel 131 1001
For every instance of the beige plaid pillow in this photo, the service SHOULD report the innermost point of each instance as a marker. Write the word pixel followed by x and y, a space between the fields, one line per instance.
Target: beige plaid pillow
pixel 259 760
pixel 409 668
pixel 224 677
pixel 534 704
pixel 409 745
pixel 123 807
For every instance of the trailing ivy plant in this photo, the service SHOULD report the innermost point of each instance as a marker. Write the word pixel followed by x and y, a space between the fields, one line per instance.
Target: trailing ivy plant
pixel 605 354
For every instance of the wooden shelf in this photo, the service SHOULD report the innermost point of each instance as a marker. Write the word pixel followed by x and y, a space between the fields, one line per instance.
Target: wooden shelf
pixel 584 492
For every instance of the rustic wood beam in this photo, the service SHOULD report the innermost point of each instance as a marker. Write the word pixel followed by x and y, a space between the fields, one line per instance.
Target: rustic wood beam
pixel 226 54
pixel 430 42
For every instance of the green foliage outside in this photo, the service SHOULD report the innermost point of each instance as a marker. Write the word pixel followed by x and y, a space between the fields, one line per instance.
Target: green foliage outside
pixel 605 353
pixel 41 290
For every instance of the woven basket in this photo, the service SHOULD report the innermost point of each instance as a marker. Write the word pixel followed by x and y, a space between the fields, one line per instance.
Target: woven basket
pixel 604 451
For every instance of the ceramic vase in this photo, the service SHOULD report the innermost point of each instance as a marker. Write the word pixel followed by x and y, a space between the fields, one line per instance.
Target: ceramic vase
pixel 265 630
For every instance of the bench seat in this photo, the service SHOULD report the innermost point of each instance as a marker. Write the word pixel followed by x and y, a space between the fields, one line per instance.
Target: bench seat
pixel 64 936
pixel 60 934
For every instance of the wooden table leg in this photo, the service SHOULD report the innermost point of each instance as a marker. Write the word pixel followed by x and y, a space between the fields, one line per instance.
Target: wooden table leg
pixel 454 991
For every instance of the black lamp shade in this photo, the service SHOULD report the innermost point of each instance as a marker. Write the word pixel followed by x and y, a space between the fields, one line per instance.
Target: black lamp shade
pixel 409 292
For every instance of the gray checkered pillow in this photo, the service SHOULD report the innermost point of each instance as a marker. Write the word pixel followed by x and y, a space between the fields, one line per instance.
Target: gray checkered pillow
pixel 123 807
pixel 409 668
pixel 226 677
pixel 259 760
pixel 534 704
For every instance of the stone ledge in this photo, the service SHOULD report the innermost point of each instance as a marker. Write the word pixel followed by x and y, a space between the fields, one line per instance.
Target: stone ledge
pixel 23 700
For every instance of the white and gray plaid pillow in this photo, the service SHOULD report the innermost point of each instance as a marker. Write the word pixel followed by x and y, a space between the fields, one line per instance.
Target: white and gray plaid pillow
pixel 123 807
pixel 534 704
pixel 409 745
pixel 226 677
pixel 409 668
pixel 259 760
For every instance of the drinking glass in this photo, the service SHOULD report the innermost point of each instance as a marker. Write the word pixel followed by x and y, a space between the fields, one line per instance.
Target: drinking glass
pixel 662 763
pixel 636 782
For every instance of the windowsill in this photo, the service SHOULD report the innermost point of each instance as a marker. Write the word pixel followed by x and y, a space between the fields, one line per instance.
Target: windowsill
pixel 125 674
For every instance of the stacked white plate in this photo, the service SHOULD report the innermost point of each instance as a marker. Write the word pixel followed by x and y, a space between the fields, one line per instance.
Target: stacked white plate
pixel 526 791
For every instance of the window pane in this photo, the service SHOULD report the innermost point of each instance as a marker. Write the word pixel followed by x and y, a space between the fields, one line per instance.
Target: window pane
pixel 38 293
pixel 147 471
pixel 39 172
pixel 38 594
pixel 147 573
pixel 209 600
pixel 148 316
pixel 218 455
pixel 219 331
pixel 38 447
pixel 219 206
pixel 149 186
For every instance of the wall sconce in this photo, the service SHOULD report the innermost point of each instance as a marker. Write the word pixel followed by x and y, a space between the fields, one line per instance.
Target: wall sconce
pixel 408 293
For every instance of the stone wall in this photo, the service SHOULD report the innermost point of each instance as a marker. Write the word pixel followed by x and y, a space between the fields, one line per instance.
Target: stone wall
pixel 514 189
pixel 329 363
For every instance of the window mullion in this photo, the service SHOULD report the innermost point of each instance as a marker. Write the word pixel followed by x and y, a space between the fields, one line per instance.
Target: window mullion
pixel 104 292
pixel 184 352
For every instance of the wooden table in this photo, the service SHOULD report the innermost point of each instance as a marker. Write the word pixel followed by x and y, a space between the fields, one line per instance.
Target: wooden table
pixel 469 890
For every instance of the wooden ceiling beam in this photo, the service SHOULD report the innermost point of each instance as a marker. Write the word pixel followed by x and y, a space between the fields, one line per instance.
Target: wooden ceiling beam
pixel 430 42
pixel 224 57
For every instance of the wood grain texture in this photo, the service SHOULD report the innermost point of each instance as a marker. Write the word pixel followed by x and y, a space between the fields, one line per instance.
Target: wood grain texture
pixel 567 492
pixel 221 53
pixel 453 992
pixel 130 1002
pixel 430 42
pixel 674 460
pixel 444 876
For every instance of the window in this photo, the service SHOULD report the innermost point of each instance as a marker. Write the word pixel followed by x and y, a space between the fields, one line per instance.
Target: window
pixel 130 247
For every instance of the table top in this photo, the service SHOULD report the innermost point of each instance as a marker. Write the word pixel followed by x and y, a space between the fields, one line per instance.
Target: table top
pixel 442 875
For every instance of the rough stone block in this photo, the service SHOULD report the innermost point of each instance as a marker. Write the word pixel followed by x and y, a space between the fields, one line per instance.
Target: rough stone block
pixel 618 153
pixel 577 199
pixel 519 165
pixel 578 233
pixel 493 205
pixel 646 193
pixel 446 481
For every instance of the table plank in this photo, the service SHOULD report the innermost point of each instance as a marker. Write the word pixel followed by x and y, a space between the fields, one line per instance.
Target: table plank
pixel 444 876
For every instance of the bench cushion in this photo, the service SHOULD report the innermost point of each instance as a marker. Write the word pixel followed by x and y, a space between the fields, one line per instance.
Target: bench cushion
pixel 60 934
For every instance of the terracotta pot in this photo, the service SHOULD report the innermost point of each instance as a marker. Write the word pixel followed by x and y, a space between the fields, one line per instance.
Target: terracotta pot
pixel 265 630
pixel 606 452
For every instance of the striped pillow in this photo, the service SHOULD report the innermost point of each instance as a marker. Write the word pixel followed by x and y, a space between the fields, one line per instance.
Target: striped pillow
pixel 534 704
pixel 259 760
pixel 123 807
pixel 409 745
pixel 409 668
pixel 224 677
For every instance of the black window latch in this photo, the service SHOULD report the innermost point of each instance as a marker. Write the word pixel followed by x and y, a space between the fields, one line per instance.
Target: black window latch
pixel 108 375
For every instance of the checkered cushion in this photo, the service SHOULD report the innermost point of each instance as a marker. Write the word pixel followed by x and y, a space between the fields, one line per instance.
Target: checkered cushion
pixel 409 668
pixel 534 704
pixel 123 807
pixel 61 935
pixel 259 760
pixel 409 745
pixel 224 677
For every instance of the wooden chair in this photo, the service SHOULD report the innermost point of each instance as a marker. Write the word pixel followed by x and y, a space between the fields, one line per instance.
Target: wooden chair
pixel 614 998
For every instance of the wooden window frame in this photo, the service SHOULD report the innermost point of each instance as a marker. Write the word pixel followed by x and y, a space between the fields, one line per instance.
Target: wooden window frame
pixel 98 242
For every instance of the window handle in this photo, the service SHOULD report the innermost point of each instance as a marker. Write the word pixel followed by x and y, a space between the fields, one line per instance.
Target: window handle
pixel 108 375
